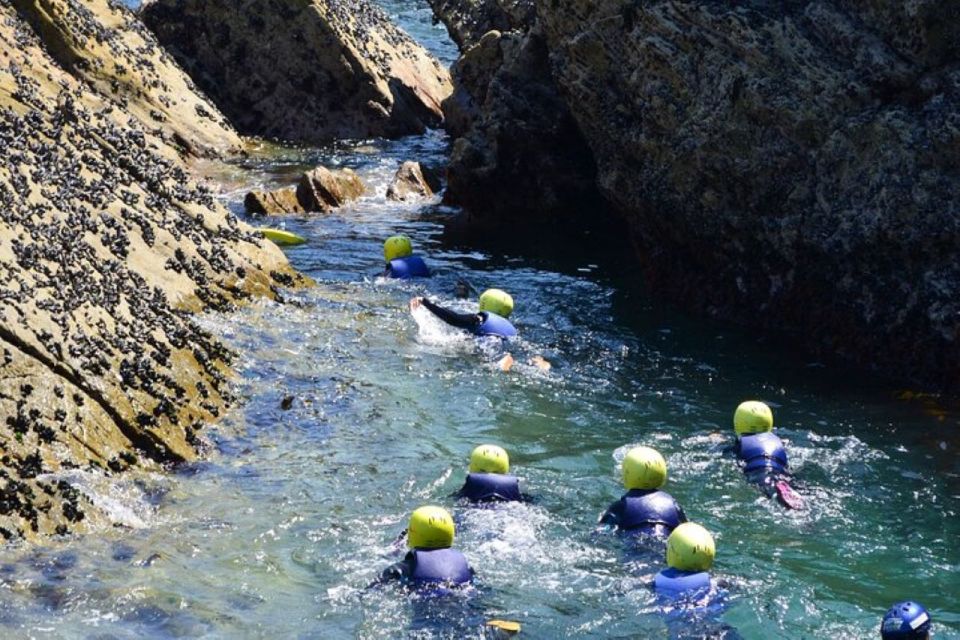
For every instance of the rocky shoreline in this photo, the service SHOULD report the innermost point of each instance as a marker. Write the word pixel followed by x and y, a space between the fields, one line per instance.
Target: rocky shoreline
pixel 792 168
pixel 108 244
pixel 107 247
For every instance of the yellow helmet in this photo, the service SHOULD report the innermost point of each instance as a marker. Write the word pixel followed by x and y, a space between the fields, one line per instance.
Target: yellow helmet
pixel 644 468
pixel 489 458
pixel 430 528
pixel 398 246
pixel 752 416
pixel 690 548
pixel 496 301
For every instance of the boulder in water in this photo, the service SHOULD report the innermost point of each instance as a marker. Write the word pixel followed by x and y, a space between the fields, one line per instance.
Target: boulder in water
pixel 324 190
pixel 270 203
pixel 412 182
pixel 320 190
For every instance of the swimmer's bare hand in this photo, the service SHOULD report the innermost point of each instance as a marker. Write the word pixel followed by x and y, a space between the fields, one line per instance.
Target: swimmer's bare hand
pixel 506 363
pixel 415 303
pixel 540 363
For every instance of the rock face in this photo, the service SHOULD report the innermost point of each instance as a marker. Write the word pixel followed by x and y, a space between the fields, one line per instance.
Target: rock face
pixel 319 191
pixel 411 183
pixel 304 70
pixel 105 246
pixel 513 131
pixel 468 20
pixel 793 166
pixel 105 46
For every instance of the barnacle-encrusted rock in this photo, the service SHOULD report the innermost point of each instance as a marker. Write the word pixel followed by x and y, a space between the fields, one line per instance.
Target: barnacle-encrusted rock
pixel 304 70
pixel 106 46
pixel 105 246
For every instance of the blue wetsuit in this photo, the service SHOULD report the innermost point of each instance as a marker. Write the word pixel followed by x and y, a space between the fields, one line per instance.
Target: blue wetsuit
pixel 491 487
pixel 406 268
pixel 676 584
pixel 764 461
pixel 483 323
pixel 430 566
pixel 648 511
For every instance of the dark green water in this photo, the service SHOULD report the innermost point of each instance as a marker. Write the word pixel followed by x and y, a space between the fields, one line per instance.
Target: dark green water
pixel 278 534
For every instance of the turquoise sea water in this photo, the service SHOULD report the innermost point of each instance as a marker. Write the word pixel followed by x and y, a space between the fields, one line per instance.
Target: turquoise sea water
pixel 294 513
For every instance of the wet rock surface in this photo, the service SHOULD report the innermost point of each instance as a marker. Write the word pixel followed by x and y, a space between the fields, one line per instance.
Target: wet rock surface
pixel 305 71
pixel 106 247
pixel 323 190
pixel 412 182
pixel 789 166
pixel 319 190
pixel 269 203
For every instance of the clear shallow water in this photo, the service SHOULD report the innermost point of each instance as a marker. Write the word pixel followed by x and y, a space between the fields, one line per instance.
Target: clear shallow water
pixel 295 512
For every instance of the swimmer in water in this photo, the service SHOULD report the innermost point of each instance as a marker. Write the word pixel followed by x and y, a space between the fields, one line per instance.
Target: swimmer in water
pixel 489 479
pixel 905 621
pixel 431 560
pixel 489 320
pixel 690 554
pixel 401 262
pixel 762 454
pixel 644 508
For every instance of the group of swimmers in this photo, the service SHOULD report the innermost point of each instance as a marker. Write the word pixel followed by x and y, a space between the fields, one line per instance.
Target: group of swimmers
pixel 645 510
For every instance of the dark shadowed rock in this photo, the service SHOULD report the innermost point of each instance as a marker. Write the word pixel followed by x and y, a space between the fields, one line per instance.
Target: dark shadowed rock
pixel 304 70
pixel 468 20
pixel 515 135
pixel 410 183
pixel 794 166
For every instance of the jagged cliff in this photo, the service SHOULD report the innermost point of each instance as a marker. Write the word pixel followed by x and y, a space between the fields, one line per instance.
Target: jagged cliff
pixel 304 70
pixel 106 246
pixel 793 166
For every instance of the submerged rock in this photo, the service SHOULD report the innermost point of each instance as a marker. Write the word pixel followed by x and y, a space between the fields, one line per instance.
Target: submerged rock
pixel 791 166
pixel 306 71
pixel 412 182
pixel 105 246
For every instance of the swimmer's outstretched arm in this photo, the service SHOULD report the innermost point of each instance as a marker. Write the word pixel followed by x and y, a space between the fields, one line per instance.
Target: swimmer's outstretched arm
pixel 610 517
pixel 468 321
